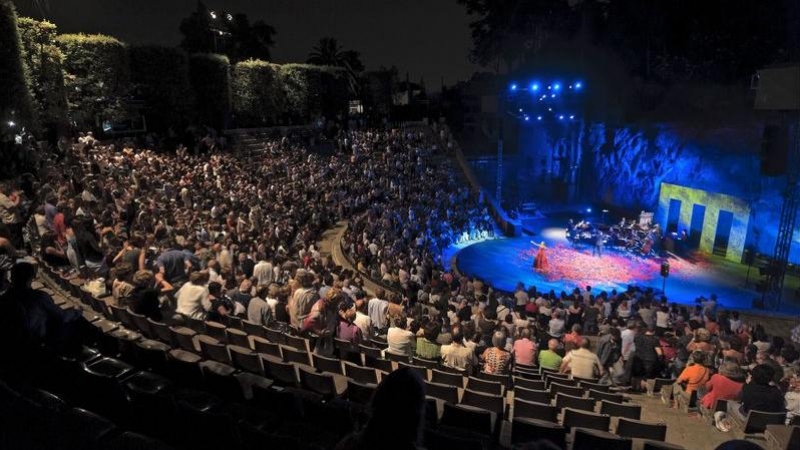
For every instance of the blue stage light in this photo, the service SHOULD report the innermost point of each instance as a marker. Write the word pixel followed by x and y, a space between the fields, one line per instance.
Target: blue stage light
pixel 549 87
pixel 550 109
pixel 571 117
pixel 578 85
pixel 588 210
pixel 557 86
pixel 520 110
pixel 538 117
pixel 514 86
pixel 527 118
pixel 535 87
pixel 552 95
pixel 561 117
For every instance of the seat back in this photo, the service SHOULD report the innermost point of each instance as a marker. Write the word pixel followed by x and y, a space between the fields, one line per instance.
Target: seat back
pixel 182 337
pixel 621 410
pixel 373 352
pixel 564 380
pixel 161 331
pixel 534 410
pixel 282 373
pixel 245 359
pixel 297 343
pixel 467 419
pixel 427 363
pixel 378 363
pixel 537 385
pixel 442 440
pixel 360 393
pixel 265 347
pixel 527 430
pixel 254 329
pixel 142 324
pixel 364 375
pixel 447 393
pixel 504 380
pixel 584 419
pixel 317 382
pixel 293 355
pixel 588 385
pixel 216 330
pixel 275 335
pixel 558 388
pixel 422 371
pixel 213 350
pixel 569 401
pixel 330 365
pixel 442 377
pixel 590 439
pixel 397 358
pixel 531 395
pixel 122 315
pixel 608 396
pixel 486 387
pixel 634 428
pixel 493 403
pixel 235 336
pixel 757 421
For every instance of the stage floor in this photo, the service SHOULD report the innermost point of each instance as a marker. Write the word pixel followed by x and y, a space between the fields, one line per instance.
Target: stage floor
pixel 504 262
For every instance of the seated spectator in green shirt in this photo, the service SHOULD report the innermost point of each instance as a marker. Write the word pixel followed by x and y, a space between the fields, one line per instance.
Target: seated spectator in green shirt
pixel 426 345
pixel 549 359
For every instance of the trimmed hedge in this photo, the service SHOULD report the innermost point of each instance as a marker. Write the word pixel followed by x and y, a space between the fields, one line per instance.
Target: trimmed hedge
pixel 258 98
pixel 312 91
pixel 43 63
pixel 97 77
pixel 160 77
pixel 15 97
pixel 210 80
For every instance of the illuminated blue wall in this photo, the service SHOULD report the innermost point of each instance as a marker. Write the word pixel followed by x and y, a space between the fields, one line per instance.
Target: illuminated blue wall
pixel 625 166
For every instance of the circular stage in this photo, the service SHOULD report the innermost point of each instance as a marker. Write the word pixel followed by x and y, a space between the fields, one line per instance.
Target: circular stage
pixel 506 261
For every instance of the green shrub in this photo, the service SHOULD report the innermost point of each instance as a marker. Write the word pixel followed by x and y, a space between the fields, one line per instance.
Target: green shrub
pixel 97 77
pixel 43 64
pixel 160 77
pixel 15 97
pixel 210 80
pixel 258 98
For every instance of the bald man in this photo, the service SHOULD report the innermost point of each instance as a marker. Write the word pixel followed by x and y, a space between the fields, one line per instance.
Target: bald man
pixel 582 362
pixel 549 359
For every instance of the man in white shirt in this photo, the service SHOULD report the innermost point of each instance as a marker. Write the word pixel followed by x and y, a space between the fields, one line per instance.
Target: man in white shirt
pixel 628 335
pixel 362 320
pixel 582 363
pixel 378 307
pixel 401 341
pixel 263 273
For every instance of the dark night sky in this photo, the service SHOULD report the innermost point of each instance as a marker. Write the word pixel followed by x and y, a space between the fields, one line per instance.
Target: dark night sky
pixel 427 38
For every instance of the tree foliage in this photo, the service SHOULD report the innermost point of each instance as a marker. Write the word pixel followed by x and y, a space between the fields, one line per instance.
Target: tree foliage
pixel 328 52
pixel 97 77
pixel 210 80
pixel 209 31
pixel 15 98
pixel 258 98
pixel 160 78
pixel 43 63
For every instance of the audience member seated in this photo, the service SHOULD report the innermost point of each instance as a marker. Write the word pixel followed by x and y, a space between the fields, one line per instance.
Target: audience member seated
pixel 725 385
pixel 496 359
pixel 758 394
pixel 582 363
pixel 549 359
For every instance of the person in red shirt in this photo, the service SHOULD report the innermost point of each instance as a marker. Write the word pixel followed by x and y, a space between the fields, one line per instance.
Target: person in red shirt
pixel 725 385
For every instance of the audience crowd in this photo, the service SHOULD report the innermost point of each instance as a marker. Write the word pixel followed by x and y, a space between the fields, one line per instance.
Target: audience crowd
pixel 211 234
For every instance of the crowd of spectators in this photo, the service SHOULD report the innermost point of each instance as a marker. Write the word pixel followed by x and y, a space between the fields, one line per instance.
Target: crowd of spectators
pixel 209 234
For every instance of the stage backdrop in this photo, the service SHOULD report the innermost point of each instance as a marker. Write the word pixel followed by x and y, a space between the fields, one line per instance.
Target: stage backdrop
pixel 681 203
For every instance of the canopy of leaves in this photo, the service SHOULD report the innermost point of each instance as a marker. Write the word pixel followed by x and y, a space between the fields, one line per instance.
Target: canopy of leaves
pixel 15 98
pixel 160 77
pixel 97 77
pixel 43 59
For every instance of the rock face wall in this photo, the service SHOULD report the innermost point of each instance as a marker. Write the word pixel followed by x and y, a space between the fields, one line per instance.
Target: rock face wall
pixel 624 166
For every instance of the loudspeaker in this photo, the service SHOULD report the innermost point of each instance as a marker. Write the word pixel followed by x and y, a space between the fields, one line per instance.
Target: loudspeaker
pixel 774 151
pixel 665 269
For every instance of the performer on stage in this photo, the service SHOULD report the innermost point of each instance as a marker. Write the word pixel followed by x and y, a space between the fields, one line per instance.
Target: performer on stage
pixel 540 260
pixel 599 242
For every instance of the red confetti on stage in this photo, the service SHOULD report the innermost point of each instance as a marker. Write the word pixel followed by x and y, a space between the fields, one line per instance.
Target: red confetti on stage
pixel 579 267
